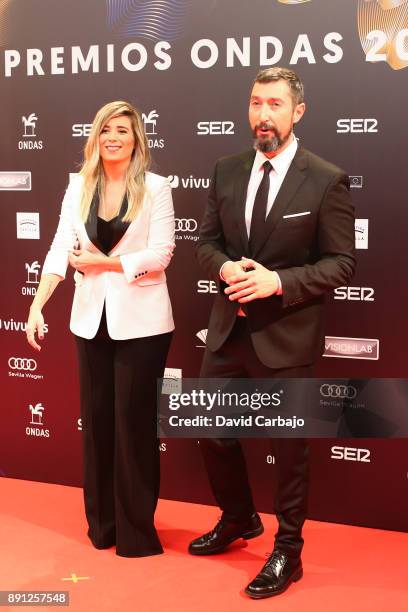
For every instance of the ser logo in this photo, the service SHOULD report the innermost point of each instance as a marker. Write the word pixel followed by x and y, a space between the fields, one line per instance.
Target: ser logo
pixel 354 294
pixel 357 126
pixel 348 453
pixel 207 286
pixel 81 129
pixel 215 128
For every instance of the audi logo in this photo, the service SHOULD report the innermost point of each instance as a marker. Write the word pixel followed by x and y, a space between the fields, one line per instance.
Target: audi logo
pixel 18 363
pixel 186 225
pixel 338 391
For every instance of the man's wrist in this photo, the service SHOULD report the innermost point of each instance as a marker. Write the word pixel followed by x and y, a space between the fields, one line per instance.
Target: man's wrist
pixel 222 277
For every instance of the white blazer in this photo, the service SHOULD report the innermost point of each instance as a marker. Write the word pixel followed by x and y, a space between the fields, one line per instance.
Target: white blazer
pixel 137 301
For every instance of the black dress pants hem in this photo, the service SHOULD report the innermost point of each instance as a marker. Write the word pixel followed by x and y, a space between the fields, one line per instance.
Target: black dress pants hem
pixel 121 457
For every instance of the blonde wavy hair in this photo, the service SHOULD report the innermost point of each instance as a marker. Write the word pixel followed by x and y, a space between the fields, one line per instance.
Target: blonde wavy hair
pixel 92 168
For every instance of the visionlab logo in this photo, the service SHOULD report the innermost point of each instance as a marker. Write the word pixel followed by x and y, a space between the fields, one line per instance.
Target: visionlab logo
pixel 28 225
pixel 36 428
pixel 150 126
pixel 186 228
pixel 352 348
pixel 23 367
pixel 29 141
pixel 361 233
pixel 190 182
pixel 15 181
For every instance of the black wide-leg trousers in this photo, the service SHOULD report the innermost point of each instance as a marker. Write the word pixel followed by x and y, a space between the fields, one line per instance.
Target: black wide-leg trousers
pixel 118 385
pixel 224 458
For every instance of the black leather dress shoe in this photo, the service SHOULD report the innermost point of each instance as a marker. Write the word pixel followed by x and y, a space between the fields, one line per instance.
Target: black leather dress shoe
pixel 276 576
pixel 224 533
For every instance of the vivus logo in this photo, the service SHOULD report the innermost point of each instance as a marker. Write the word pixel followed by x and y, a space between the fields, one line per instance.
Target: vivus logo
pixel 150 126
pixel 189 182
pixel 16 326
pixel 383 31
pixel 29 133
pixel 23 367
pixel 36 427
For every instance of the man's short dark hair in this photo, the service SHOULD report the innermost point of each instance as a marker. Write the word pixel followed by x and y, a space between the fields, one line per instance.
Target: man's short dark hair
pixel 267 75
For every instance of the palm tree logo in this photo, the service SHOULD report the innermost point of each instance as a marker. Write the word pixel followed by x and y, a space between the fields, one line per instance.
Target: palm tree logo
pixel 29 125
pixel 36 414
pixel 150 122
pixel 32 273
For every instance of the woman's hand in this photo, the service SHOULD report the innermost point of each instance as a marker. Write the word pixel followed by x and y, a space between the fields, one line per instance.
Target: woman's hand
pixel 35 324
pixel 85 261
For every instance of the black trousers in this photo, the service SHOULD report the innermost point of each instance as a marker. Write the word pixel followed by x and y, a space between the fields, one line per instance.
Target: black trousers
pixel 224 458
pixel 118 380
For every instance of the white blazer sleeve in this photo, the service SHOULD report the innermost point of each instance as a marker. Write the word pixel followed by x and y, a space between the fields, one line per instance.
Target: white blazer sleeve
pixel 56 261
pixel 160 242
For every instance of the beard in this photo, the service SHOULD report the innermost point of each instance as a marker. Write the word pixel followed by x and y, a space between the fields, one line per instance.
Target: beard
pixel 264 144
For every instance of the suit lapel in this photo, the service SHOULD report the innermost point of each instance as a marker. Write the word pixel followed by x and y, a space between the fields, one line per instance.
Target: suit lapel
pixel 240 193
pixel 293 180
pixel 118 226
pixel 91 224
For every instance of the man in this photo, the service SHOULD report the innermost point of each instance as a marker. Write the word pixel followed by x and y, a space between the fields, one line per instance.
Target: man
pixel 277 234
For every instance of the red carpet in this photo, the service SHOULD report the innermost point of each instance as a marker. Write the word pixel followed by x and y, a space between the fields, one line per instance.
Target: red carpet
pixel 43 541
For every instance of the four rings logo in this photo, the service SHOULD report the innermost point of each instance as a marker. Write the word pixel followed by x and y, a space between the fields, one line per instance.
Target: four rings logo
pixel 186 225
pixel 338 391
pixel 19 363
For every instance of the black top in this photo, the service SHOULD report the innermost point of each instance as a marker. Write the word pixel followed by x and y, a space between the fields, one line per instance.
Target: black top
pixel 106 234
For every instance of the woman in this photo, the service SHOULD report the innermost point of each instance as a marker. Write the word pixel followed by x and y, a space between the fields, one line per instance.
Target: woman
pixel 116 230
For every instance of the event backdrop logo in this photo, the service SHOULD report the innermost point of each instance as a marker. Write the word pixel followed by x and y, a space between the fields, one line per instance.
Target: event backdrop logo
pixel 154 19
pixel 15 181
pixel 382 27
pixel 38 430
pixel 29 124
pixel 28 225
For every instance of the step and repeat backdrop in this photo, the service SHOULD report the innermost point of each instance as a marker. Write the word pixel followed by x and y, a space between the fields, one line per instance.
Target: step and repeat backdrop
pixel 188 66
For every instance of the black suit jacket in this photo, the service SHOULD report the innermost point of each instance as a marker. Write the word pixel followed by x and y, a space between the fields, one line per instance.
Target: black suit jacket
pixel 312 254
